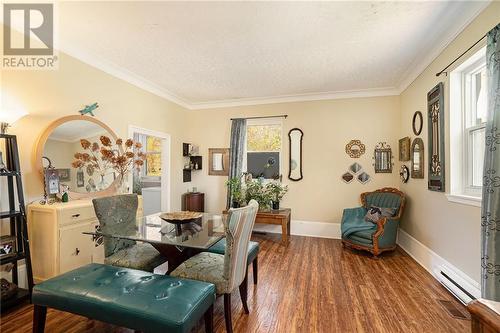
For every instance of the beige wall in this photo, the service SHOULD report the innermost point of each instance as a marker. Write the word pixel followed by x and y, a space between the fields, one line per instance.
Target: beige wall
pixel 328 126
pixel 48 95
pixel 451 230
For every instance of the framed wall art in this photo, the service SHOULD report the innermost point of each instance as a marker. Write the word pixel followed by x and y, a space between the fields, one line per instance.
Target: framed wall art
pixel 404 149
pixel 435 109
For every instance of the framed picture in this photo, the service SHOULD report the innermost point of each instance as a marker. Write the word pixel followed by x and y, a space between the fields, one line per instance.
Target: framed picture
pixel 64 175
pixel 218 161
pixel 404 149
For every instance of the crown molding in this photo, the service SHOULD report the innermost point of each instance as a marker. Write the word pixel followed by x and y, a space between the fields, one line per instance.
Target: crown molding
pixel 123 74
pixel 415 69
pixel 376 92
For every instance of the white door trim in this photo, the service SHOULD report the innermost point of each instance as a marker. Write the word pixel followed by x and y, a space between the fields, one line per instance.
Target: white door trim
pixel 165 186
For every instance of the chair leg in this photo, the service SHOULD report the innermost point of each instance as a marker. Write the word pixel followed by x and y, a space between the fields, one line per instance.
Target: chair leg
pixel 227 313
pixel 39 315
pixel 209 320
pixel 255 270
pixel 244 292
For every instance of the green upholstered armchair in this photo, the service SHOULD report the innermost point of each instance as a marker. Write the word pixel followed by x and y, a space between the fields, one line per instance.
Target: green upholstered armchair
pixel 373 237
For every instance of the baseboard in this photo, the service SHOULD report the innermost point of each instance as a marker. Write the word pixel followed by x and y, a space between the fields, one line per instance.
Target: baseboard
pixel 432 262
pixel 304 228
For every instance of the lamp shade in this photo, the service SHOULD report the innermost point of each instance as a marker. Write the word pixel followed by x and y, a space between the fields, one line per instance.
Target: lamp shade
pixel 10 116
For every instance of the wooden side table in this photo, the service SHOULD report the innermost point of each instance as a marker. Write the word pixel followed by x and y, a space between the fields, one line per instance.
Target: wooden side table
pixel 277 217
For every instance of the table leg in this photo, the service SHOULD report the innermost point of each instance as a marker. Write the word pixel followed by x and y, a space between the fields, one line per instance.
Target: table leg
pixel 174 256
pixel 284 231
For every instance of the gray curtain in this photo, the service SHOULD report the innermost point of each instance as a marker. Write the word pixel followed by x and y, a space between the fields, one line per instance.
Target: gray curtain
pixel 237 149
pixel 490 211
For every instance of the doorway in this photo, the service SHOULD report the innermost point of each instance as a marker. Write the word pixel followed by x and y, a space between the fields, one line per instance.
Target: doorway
pixel 153 180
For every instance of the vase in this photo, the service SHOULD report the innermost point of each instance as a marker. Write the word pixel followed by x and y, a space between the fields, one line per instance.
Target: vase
pixel 122 184
pixel 276 205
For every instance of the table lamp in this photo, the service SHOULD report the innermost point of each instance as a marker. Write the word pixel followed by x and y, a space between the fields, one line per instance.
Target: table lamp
pixel 8 117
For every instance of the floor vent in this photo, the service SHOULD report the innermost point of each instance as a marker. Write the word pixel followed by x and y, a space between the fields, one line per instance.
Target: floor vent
pixel 452 309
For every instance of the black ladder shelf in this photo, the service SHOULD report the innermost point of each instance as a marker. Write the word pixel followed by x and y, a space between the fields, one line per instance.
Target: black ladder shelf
pixel 18 222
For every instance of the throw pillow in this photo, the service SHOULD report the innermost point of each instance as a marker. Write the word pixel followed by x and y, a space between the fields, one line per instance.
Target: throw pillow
pixel 376 213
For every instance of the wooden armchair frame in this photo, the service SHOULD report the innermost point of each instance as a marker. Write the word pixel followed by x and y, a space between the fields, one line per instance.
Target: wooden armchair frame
pixel 376 250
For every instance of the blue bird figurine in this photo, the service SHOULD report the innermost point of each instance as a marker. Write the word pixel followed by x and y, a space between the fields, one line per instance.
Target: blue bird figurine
pixel 88 109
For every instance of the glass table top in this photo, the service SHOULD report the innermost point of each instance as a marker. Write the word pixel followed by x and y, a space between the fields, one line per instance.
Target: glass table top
pixel 201 234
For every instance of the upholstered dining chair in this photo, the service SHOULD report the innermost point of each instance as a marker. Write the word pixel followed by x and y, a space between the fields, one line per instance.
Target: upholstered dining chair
pixel 226 271
pixel 119 213
pixel 252 256
pixel 377 236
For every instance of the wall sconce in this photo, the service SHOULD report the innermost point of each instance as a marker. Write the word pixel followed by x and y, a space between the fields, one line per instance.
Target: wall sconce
pixel 8 117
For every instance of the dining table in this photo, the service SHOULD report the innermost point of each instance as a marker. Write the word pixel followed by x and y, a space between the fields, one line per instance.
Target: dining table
pixel 177 242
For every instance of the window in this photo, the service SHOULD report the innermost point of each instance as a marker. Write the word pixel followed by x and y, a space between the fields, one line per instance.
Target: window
pixel 151 146
pixel 468 108
pixel 153 157
pixel 263 145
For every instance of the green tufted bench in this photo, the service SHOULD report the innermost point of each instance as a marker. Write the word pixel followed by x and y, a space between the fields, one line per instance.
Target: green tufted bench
pixel 126 297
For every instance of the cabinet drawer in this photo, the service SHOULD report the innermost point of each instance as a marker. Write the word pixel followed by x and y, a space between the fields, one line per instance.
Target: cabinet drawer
pixel 75 249
pixel 76 214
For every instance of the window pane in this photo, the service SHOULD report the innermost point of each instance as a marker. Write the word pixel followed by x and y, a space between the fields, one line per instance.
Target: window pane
pixel 477 154
pixel 153 144
pixel 265 165
pixel 479 99
pixel 263 138
pixel 153 165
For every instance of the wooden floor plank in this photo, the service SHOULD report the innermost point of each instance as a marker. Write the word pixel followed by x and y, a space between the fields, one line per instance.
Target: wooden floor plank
pixel 312 285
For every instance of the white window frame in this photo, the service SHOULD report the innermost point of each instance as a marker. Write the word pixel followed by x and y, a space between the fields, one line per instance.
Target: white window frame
pixel 265 121
pixel 461 188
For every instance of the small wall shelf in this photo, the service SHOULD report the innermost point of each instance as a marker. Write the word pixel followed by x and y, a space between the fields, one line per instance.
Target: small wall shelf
pixel 195 162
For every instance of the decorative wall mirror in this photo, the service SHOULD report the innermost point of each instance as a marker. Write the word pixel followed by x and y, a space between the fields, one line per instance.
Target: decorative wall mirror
pixel 218 160
pixel 383 158
pixel 435 109
pixel 295 160
pixel 417 159
pixel 355 148
pixel 417 123
pixel 59 143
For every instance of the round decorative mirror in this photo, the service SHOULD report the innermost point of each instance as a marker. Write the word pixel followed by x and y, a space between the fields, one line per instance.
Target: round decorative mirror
pixel 56 151
pixel 417 123
pixel 355 148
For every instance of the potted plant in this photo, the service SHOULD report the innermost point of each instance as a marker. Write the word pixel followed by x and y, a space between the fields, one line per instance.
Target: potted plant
pixel 256 190
pixel 236 191
pixel 276 191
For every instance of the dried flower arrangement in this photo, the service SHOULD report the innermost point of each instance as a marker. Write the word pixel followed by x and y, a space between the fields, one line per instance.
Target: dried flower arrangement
pixel 120 156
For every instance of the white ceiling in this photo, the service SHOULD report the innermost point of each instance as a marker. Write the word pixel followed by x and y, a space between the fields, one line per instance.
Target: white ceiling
pixel 209 54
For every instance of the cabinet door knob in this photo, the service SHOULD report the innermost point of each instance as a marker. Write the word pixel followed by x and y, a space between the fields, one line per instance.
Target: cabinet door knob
pixel 77 251
pixel 75 216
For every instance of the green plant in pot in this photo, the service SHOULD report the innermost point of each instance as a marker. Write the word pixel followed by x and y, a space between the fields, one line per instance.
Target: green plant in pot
pixel 236 191
pixel 256 190
pixel 277 191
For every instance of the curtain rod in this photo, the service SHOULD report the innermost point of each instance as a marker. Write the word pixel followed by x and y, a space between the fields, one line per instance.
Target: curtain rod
pixel 460 56
pixel 278 116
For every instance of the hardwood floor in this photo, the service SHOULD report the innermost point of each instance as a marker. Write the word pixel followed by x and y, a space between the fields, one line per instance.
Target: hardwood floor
pixel 313 285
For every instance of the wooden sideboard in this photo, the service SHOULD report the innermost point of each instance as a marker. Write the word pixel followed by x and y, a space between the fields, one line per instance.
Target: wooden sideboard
pixel 56 237
pixel 485 316
pixel 193 201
